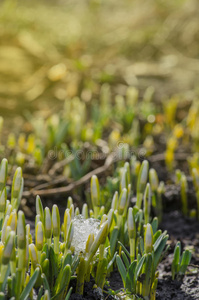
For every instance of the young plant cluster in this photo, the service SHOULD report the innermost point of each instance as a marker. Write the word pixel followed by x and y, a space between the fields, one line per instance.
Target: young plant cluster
pixel 183 182
pixel 104 125
pixel 43 267
pixel 78 122
pixel 82 132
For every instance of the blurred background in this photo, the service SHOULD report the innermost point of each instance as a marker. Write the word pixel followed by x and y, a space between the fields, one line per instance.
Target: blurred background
pixel 54 50
pixel 91 76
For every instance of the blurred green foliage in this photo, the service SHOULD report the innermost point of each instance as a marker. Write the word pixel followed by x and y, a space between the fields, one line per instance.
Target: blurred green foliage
pixel 51 51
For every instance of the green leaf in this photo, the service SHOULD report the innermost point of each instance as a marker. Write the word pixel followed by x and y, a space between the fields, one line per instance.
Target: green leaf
pixel 3 173
pixel 142 181
pixel 67 260
pixel 1 224
pixel 40 293
pixel 121 269
pixel 111 262
pixel 81 271
pixel 45 283
pixel 95 191
pixel 125 259
pixel 154 225
pixel 24 295
pixel 53 266
pixel 124 248
pixel 122 201
pixel 113 240
pixel 45 267
pixel 68 294
pixel 62 281
pixel 17 188
pixel 148 239
pixel 128 283
pixel 3 198
pixel 123 179
pixel 5 279
pixel 61 132
pixel 101 272
pixel 147 203
pixel 46 296
pixel 141 245
pixel 17 287
pixel 55 221
pixel 158 241
pixel 186 258
pixel 153 179
pixel 139 267
pixel 176 260
pixel 39 208
pixel 46 250
pixel 131 275
pixel 156 235
pixel 74 264
pixel 147 270
pixel 153 289
pixel 159 251
pixel 47 223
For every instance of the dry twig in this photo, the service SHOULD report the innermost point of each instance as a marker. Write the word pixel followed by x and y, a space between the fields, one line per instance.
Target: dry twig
pixel 66 189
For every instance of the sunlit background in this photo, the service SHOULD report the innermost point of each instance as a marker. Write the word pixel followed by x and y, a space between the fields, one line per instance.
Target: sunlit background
pixel 54 50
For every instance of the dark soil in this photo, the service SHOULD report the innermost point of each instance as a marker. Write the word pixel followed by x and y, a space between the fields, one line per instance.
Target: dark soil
pixel 90 292
pixel 170 289
pixel 185 230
